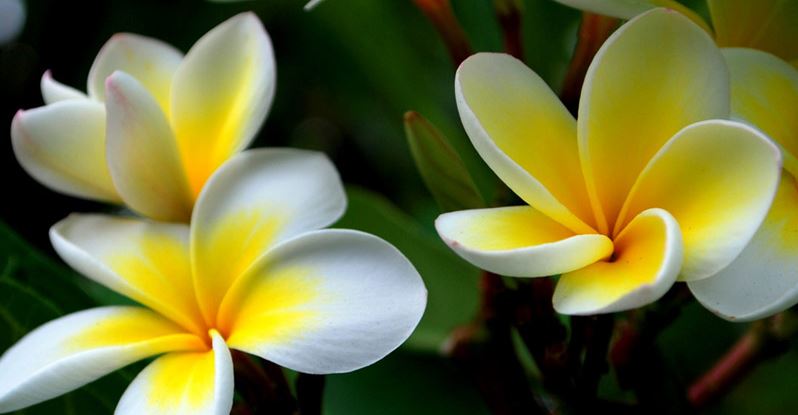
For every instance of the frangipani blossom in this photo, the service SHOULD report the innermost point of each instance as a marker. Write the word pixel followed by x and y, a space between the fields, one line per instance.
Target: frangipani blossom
pixel 155 124
pixel 648 186
pixel 768 25
pixel 764 93
pixel 251 273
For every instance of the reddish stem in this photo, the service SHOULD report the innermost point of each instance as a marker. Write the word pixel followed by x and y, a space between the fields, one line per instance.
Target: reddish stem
pixel 737 362
pixel 765 339
pixel 441 15
pixel 509 15
pixel 593 31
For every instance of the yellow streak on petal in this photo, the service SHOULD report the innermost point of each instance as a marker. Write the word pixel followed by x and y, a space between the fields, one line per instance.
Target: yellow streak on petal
pixel 226 252
pixel 270 306
pixel 134 327
pixel 207 142
pixel 160 271
pixel 182 382
pixel 511 228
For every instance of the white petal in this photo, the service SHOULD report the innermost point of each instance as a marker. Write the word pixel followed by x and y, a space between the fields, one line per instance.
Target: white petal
pixel 763 280
pixel 74 350
pixel 624 9
pixel 221 94
pixel 54 91
pixel 519 242
pixel 62 145
pixel 142 153
pixel 328 301
pixel 257 199
pixel 311 4
pixel 183 384
pixel 12 19
pixel 150 61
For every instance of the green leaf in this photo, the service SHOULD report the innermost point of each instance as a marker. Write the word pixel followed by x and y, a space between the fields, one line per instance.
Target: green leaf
pixel 440 166
pixel 451 282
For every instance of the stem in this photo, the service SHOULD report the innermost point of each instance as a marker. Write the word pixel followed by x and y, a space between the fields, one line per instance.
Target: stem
pixel 593 31
pixel 310 393
pixel 542 332
pixel 485 350
pixel 765 339
pixel 638 362
pixel 263 387
pixel 441 15
pixel 509 14
pixel 598 334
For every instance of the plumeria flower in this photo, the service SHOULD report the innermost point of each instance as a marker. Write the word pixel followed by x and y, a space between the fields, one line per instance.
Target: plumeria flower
pixel 250 273
pixel 648 186
pixel 764 93
pixel 768 25
pixel 155 124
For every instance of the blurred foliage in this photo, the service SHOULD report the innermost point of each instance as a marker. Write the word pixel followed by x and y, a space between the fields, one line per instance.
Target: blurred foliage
pixel 347 71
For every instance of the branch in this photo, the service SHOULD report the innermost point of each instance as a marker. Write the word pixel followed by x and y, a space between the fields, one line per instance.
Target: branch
pixel 593 31
pixel 509 14
pixel 638 362
pixel 441 15
pixel 485 350
pixel 263 387
pixel 765 339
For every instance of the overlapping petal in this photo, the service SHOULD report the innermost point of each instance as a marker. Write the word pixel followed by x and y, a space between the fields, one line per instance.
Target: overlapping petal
pixel 718 179
pixel 768 25
pixel 627 9
pixel 654 76
pixel 763 280
pixel 257 199
pixel 142 153
pixel 764 92
pixel 647 258
pixel 151 61
pixel 221 94
pixel 520 128
pixel 145 261
pixel 74 350
pixel 199 383
pixel 62 145
pixel 54 91
pixel 519 241
pixel 327 301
